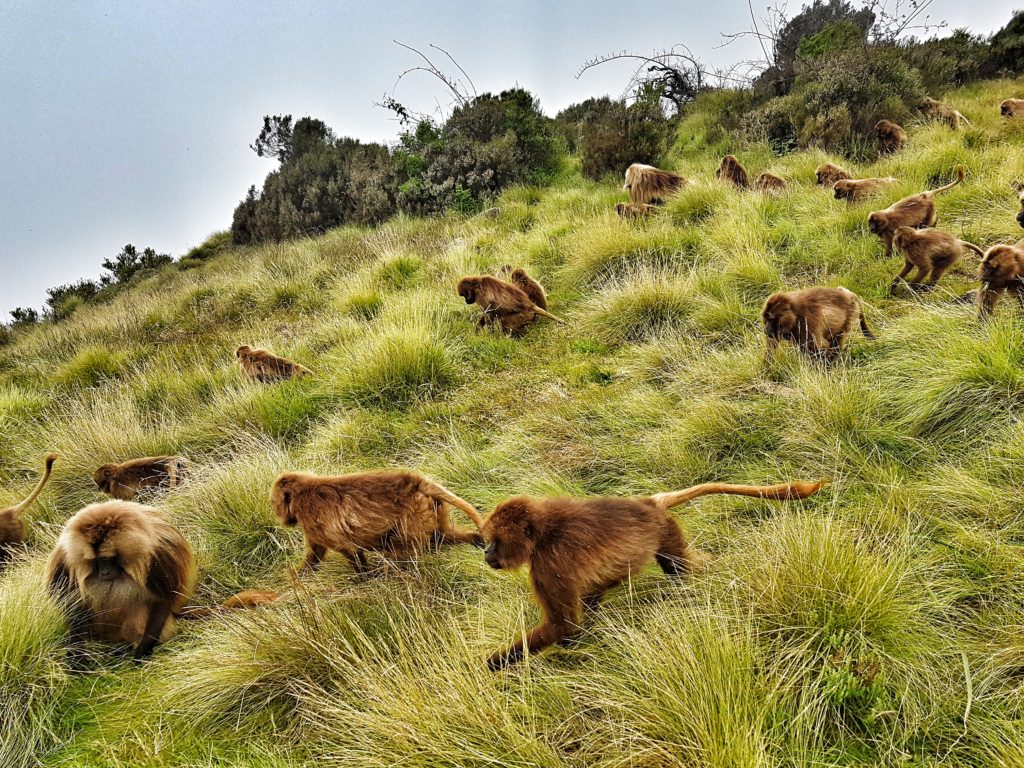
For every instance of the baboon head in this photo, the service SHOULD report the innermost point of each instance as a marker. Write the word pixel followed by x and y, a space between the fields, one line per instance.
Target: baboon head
pixel 778 316
pixel 876 222
pixel 468 287
pixel 243 352
pixel 103 477
pixel 281 500
pixel 509 534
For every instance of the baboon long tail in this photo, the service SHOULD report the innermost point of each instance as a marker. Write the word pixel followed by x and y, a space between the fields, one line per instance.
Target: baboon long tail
pixel 959 178
pixel 795 490
pixel 973 247
pixel 440 493
pixel 548 315
pixel 249 598
pixel 17 510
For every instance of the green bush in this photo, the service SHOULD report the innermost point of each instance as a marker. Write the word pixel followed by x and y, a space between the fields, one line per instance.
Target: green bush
pixel 617 135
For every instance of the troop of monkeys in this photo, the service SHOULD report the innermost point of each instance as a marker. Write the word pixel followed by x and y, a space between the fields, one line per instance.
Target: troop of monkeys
pixel 124 574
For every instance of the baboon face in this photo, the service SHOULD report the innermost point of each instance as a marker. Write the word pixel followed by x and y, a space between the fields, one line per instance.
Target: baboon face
pixel 467 289
pixel 509 535
pixel 102 477
pixel 841 190
pixel 1020 218
pixel 1004 110
pixel 243 351
pixel 281 500
pixel 107 569
pixel 876 223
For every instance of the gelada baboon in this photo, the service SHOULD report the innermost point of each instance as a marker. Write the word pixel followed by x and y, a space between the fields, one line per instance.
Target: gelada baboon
pixel 931 251
pixel 502 303
pixel 12 527
pixel 943 113
pixel 634 210
pixel 396 511
pixel 126 481
pixel 265 367
pixel 815 319
pixel 730 170
pixel 124 572
pixel 1002 271
pixel 912 211
pixel 1012 108
pixel 770 184
pixel 521 279
pixel 578 549
pixel 855 190
pixel 647 184
pixel 828 174
pixel 891 136
pixel 1020 213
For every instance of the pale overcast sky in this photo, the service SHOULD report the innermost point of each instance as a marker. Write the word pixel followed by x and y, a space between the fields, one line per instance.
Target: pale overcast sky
pixel 130 121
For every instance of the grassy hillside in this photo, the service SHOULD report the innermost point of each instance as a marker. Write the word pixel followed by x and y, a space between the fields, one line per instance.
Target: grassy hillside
pixel 879 623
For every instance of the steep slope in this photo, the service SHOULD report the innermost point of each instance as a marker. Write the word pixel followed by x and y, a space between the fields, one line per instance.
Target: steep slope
pixel 878 623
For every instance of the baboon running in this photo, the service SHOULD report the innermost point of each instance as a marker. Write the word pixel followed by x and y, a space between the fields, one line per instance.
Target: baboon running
pixel 817 320
pixel 912 211
pixel 395 511
pixel 931 251
pixel 578 549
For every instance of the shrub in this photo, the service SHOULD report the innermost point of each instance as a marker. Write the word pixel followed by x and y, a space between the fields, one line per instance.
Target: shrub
pixel 616 135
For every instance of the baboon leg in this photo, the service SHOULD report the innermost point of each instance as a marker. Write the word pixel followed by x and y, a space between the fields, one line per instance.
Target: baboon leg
pixel 593 600
pixel 988 301
pixel 559 623
pixel 919 276
pixel 357 560
pixel 887 239
pixel 937 272
pixel 315 554
pixel 158 615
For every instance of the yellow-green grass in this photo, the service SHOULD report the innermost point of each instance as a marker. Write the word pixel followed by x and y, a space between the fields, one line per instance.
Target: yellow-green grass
pixel 880 623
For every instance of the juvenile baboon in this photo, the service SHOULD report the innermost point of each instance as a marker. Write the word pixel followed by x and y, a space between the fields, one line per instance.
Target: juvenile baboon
pixel 397 511
pixel 912 211
pixel 828 174
pixel 124 572
pixel 1012 108
pixel 521 279
pixel 634 210
pixel 855 190
pixel 12 527
pixel 931 251
pixel 578 549
pixel 943 113
pixel 733 172
pixel 265 367
pixel 816 319
pixel 647 184
pixel 502 303
pixel 1002 271
pixel 891 137
pixel 127 480
pixel 770 184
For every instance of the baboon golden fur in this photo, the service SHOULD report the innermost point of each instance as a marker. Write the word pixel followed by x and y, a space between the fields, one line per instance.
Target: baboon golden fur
pixel 127 480
pixel 891 136
pixel 732 171
pixel 397 511
pixel 12 527
pixel 770 184
pixel 647 184
pixel 502 303
pixel 1001 271
pixel 578 549
pixel 817 320
pixel 521 279
pixel 1012 108
pixel 634 210
pixel 931 251
pixel 912 211
pixel 828 174
pixel 124 574
pixel 855 190
pixel 933 109
pixel 266 367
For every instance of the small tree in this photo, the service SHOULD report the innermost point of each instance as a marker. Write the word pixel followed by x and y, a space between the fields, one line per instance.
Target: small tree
pixel 23 316
pixel 129 262
pixel 62 301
